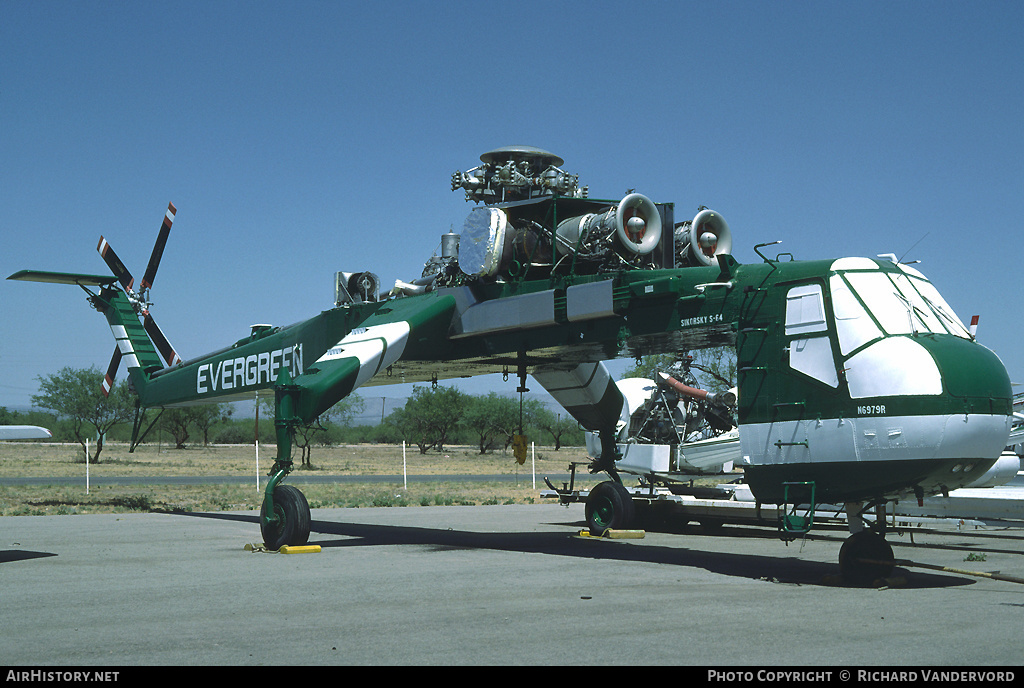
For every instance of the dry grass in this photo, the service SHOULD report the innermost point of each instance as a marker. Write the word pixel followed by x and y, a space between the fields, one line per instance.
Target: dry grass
pixel 42 460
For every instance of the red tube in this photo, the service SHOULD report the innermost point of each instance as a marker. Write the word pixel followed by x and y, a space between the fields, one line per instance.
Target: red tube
pixel 722 399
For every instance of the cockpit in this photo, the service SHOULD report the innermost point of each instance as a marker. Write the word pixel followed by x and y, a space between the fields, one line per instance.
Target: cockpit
pixel 878 317
pixel 870 303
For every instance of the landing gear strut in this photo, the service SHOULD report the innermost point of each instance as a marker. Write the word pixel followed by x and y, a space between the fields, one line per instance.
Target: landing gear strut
pixel 865 556
pixel 284 517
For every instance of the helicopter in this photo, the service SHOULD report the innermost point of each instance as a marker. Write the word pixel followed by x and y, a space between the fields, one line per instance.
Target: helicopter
pixel 857 383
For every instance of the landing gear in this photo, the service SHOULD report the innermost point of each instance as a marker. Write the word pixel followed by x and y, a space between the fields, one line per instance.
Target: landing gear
pixel 284 517
pixel 609 507
pixel 865 556
pixel 290 525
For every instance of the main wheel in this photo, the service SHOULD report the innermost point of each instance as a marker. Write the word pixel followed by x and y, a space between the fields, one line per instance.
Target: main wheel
pixel 609 507
pixel 865 557
pixel 292 526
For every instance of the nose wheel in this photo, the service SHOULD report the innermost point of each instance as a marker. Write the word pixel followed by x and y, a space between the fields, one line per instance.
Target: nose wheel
pixel 865 556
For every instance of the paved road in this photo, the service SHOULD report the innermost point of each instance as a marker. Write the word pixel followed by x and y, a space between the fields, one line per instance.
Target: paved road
pixel 486 585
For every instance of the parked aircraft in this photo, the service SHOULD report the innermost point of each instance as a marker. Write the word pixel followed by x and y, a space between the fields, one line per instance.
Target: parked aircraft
pixel 24 432
pixel 858 384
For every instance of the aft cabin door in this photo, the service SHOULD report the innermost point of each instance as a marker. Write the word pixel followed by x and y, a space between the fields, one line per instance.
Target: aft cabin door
pixel 788 375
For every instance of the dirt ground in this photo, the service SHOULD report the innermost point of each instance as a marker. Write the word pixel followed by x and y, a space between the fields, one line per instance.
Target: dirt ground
pixel 32 459
pixel 49 460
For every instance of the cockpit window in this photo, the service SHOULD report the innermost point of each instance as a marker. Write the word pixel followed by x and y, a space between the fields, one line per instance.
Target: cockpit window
pixel 853 325
pixel 884 301
pixel 938 304
pixel 900 303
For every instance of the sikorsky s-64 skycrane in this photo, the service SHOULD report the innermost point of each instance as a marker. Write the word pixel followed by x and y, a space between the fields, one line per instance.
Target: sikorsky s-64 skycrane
pixel 857 384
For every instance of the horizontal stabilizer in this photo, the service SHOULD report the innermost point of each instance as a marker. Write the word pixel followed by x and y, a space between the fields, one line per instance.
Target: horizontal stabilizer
pixel 62 278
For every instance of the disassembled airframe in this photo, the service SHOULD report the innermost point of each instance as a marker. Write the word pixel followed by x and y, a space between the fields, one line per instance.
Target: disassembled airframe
pixel 857 384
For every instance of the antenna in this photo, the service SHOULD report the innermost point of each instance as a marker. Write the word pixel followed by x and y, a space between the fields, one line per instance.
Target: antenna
pixel 912 247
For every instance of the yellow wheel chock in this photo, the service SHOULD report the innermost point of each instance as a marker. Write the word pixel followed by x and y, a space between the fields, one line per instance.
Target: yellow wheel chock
pixel 610 534
pixel 285 549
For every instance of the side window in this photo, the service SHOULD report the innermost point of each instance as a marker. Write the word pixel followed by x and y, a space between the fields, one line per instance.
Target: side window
pixel 805 314
pixel 813 357
pixel 805 310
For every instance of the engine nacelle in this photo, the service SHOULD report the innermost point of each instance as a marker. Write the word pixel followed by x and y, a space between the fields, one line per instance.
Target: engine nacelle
pixel 634 222
pixel 355 287
pixel 701 240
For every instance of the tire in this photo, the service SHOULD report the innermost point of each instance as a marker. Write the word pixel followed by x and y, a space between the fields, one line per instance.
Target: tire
pixel 292 510
pixel 865 545
pixel 609 507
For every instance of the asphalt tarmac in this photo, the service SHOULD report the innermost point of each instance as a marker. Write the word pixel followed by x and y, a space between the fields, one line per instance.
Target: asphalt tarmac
pixel 497 585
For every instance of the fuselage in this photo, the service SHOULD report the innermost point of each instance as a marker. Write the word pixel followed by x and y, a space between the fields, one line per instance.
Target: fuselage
pixel 854 374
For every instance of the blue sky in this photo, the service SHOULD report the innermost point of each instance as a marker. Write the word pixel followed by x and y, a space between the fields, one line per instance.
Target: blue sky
pixel 298 139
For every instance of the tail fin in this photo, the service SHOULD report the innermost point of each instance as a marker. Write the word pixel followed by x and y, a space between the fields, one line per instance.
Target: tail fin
pixel 122 308
pixel 133 344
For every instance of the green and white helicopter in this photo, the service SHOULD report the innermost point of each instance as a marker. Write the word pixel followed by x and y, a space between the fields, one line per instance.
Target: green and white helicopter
pixel 857 384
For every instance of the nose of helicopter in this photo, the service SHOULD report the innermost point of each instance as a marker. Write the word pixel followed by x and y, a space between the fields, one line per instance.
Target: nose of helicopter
pixel 936 413
pixel 972 375
pixel 979 401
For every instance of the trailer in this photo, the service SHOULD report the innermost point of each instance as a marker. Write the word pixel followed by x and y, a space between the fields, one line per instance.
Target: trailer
pixel 611 506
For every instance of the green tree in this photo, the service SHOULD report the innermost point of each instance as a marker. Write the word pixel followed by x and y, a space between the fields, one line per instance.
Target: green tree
pixel 647 367
pixel 490 417
pixel 178 422
pixel 210 415
pixel 557 425
pixel 430 416
pixel 716 368
pixel 525 416
pixel 76 395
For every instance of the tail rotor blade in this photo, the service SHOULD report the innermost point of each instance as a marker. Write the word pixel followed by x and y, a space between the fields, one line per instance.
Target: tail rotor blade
pixel 158 248
pixel 108 380
pixel 162 345
pixel 115 264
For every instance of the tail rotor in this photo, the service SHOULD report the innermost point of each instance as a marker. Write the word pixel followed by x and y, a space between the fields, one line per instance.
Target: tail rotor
pixel 160 341
pixel 158 248
pixel 108 379
pixel 140 300
pixel 116 266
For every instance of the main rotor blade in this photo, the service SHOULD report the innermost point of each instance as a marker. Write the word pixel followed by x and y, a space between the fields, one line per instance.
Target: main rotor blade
pixel 108 380
pixel 115 264
pixel 160 341
pixel 158 248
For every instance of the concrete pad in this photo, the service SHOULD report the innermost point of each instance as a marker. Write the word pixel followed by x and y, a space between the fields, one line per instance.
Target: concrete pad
pixel 486 585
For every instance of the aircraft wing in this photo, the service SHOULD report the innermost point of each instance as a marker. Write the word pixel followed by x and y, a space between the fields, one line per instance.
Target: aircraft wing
pixel 24 432
pixel 62 278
